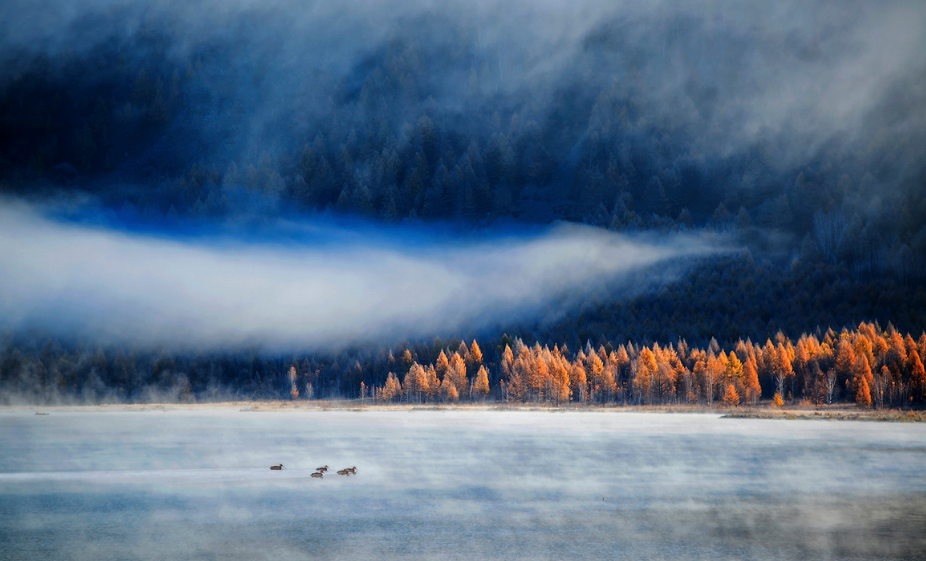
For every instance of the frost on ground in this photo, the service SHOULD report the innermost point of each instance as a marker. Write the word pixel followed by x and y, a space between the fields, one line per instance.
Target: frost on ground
pixel 455 484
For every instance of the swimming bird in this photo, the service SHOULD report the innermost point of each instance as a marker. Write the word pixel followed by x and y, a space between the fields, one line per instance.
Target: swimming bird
pixel 279 467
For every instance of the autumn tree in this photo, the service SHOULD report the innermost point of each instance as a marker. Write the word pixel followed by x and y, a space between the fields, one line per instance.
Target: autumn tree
pixel 862 381
pixel 730 396
pixel 751 381
pixel 442 365
pixel 917 374
pixel 646 370
pixel 448 390
pixel 473 359
pixel 845 361
pixel 506 362
pixel 416 382
pixel 559 371
pixel 294 389
pixel 881 384
pixel 579 382
pixel 481 385
pixel 433 382
pixel 391 389
pixel 457 373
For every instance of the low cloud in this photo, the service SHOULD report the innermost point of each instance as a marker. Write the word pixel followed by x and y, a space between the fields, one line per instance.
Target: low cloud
pixel 125 287
pixel 789 75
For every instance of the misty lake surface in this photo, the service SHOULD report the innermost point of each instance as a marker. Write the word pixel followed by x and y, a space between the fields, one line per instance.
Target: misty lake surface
pixel 456 484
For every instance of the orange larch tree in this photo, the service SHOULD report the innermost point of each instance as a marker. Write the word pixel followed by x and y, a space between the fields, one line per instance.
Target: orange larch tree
pixel 481 385
pixel 473 359
pixel 730 396
pixel 751 381
pixel 457 374
pixel 645 373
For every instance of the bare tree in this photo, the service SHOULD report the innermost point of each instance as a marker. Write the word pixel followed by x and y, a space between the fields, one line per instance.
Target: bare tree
pixel 830 385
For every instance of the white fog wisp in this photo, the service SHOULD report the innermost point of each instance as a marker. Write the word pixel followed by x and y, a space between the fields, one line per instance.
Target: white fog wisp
pixel 132 288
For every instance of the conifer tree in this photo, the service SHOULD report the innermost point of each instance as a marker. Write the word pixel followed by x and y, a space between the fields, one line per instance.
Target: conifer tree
pixel 481 386
pixel 448 390
pixel 579 382
pixel 845 359
pixel 734 370
pixel 442 365
pixel 433 382
pixel 473 359
pixel 862 381
pixel 917 374
pixel 406 360
pixel 751 381
pixel 730 395
pixel 595 369
pixel 560 373
pixel 645 374
pixel 391 389
pixel 457 373
pixel 507 361
pixel 862 393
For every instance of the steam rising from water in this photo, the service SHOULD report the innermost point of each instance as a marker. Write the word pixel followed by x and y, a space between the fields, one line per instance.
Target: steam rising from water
pixel 453 484
pixel 132 288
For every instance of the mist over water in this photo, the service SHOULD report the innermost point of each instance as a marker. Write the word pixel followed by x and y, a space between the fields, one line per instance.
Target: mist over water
pixel 457 485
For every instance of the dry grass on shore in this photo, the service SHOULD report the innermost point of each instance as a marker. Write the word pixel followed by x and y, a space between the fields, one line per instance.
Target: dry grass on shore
pixel 844 412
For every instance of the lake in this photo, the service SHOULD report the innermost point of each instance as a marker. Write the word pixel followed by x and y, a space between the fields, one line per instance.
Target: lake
pixel 107 483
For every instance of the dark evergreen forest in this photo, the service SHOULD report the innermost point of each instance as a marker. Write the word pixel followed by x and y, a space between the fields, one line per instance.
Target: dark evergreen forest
pixel 635 121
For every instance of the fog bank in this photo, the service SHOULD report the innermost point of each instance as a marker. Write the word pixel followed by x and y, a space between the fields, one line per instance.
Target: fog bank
pixel 125 287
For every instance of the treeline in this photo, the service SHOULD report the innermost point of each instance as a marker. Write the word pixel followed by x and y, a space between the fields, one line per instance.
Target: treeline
pixel 869 366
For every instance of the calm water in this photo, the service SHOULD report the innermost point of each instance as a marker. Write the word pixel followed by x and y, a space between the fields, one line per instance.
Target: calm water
pixel 457 485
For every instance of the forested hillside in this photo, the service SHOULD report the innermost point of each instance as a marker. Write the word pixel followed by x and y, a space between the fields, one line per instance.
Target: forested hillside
pixel 796 134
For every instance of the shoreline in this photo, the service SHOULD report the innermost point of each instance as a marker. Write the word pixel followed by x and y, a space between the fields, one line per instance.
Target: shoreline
pixel 843 412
